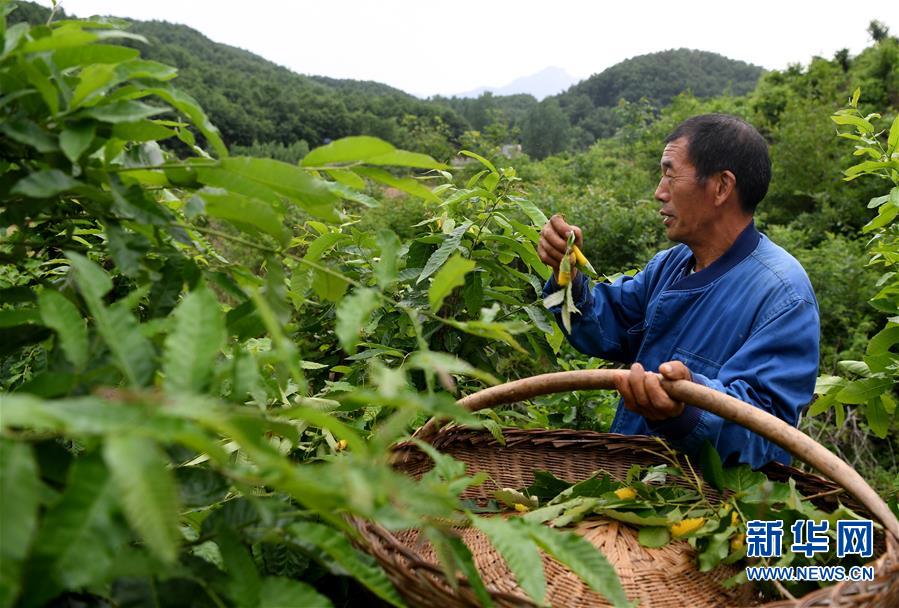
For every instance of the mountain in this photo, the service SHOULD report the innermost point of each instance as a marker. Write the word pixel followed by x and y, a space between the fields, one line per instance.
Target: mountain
pixel 657 77
pixel 255 101
pixel 546 82
pixel 251 99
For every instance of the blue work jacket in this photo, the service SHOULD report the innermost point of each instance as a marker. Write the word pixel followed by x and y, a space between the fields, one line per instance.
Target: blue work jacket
pixel 746 325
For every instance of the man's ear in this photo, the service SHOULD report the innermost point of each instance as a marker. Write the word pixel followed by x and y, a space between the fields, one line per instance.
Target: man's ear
pixel 725 187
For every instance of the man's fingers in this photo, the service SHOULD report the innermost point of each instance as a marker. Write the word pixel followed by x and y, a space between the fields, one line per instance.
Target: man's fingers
pixel 554 241
pixel 675 370
pixel 561 228
pixel 578 237
pixel 559 224
pixel 553 238
pixel 636 381
pixel 549 256
pixel 621 383
pixel 662 405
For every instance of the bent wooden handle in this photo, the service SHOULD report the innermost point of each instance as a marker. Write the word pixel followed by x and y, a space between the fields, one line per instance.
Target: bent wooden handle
pixel 759 421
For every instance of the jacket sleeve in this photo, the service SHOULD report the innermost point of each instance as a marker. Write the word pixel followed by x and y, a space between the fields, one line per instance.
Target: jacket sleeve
pixel 611 315
pixel 775 370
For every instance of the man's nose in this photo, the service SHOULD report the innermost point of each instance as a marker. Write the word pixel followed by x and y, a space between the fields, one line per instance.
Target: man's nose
pixel 661 191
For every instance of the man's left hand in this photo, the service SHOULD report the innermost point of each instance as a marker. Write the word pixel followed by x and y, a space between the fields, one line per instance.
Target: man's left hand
pixel 643 393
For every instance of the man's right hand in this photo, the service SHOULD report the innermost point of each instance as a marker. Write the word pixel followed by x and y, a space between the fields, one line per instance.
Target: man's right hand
pixel 553 240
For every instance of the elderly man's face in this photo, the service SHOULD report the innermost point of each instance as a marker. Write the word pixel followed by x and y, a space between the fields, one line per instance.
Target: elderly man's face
pixel 687 204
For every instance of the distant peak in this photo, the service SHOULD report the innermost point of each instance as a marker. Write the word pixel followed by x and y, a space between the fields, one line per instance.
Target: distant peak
pixel 548 81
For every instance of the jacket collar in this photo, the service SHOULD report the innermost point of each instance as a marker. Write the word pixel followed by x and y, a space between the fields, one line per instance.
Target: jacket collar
pixel 740 250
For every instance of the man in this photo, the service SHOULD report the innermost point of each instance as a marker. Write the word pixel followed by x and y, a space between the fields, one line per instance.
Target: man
pixel 726 308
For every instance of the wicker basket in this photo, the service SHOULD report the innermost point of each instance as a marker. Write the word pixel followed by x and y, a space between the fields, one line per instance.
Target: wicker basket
pixel 664 577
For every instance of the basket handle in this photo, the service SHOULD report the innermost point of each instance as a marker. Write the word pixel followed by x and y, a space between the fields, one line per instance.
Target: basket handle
pixel 753 418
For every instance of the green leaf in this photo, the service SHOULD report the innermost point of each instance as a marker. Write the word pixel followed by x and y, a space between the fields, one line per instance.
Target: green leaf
pixel 893 140
pixel 402 158
pixel 385 268
pixel 141 130
pixel 44 184
pixel 327 286
pixel 347 178
pixel 28 133
pixel 710 462
pixel 353 313
pixel 860 123
pixel 13 317
pixel 859 368
pixel 863 390
pixel 492 331
pixel 449 246
pixel 473 180
pixel 188 106
pixel 532 211
pixel 347 150
pixel 80 536
pixel 555 339
pixel 116 324
pixel 142 68
pixel 583 559
pixel 406 184
pixel 92 280
pixel 95 53
pixel 517 547
pixel 653 536
pixel 279 592
pixel 42 83
pixel 877 417
pixel 350 194
pixel 433 360
pixel 465 561
pixel 147 490
pixel 200 487
pixel 646 518
pixel 93 79
pixel 20 489
pixel 243 211
pixel 321 245
pixel 361 566
pixel 122 111
pixel 822 404
pixel 524 250
pixel 884 340
pixel 60 315
pixel 885 215
pixel 538 318
pixel 76 139
pixel 473 293
pixel 260 176
pixel 449 277
pixel 480 159
pixel 66 36
pixel 244 583
pixel 742 478
pixel 554 299
pixel 194 342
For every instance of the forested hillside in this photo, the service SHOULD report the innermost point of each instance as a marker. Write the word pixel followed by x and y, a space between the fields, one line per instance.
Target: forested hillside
pixel 658 78
pixel 254 101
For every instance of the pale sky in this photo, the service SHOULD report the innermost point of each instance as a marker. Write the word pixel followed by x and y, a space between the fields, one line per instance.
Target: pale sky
pixel 426 48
